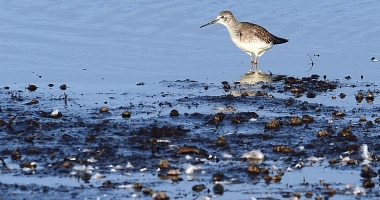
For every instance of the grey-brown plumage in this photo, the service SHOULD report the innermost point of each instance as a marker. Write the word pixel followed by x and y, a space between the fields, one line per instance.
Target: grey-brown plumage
pixel 251 38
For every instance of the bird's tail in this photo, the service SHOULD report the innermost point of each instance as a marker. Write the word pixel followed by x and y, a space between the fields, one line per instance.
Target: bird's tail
pixel 278 40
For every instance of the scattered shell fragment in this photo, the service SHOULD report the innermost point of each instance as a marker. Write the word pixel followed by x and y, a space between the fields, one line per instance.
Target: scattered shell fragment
pixel 254 154
pixel 190 169
pixel 56 114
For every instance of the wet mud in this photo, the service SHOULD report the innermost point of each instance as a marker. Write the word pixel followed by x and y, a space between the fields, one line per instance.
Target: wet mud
pixel 193 140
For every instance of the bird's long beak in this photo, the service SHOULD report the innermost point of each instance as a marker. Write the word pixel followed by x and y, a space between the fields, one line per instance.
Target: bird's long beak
pixel 212 22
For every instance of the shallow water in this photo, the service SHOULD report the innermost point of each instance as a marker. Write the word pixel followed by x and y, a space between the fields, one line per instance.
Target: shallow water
pixel 102 49
pixel 117 44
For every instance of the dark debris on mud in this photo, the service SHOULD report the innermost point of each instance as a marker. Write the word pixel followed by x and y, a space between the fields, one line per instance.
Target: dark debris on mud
pixel 87 145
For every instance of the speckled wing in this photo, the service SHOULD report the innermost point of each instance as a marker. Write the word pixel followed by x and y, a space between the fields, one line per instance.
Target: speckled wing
pixel 254 33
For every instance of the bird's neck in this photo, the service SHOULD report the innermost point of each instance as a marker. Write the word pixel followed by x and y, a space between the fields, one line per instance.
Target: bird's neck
pixel 233 28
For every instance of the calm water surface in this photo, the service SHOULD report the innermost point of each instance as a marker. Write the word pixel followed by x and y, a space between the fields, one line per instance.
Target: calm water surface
pixel 112 45
pixel 101 46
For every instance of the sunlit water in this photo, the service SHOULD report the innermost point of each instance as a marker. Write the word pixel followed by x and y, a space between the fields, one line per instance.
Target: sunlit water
pixel 116 44
pixel 99 47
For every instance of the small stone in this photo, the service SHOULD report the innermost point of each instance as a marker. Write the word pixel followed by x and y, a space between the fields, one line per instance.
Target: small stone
pixel 86 177
pixel 338 113
pixel 218 177
pixel 307 119
pixel 160 196
pixel 218 189
pixel 126 114
pixel 277 178
pixel 32 88
pixel 66 164
pixel 108 184
pixel 296 121
pixel 283 149
pixel 346 132
pixel 267 178
pixel 164 164
pixel 359 97
pixel 377 120
pixel 173 172
pixel 174 113
pixel 63 87
pixel 103 109
pixel 309 194
pixel 15 155
pixel 253 168
pixel 369 97
pixel 368 183
pixel 198 188
pixel 148 191
pixel 236 120
pixel 137 186
pixel 90 138
pixel 34 101
pixel 368 172
pixel 221 141
pixel 322 133
pixel 272 124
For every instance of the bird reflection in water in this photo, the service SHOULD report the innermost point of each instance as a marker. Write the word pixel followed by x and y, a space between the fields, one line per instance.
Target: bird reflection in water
pixel 251 83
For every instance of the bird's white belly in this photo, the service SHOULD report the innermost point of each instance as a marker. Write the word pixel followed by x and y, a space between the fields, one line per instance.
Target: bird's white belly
pixel 257 47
